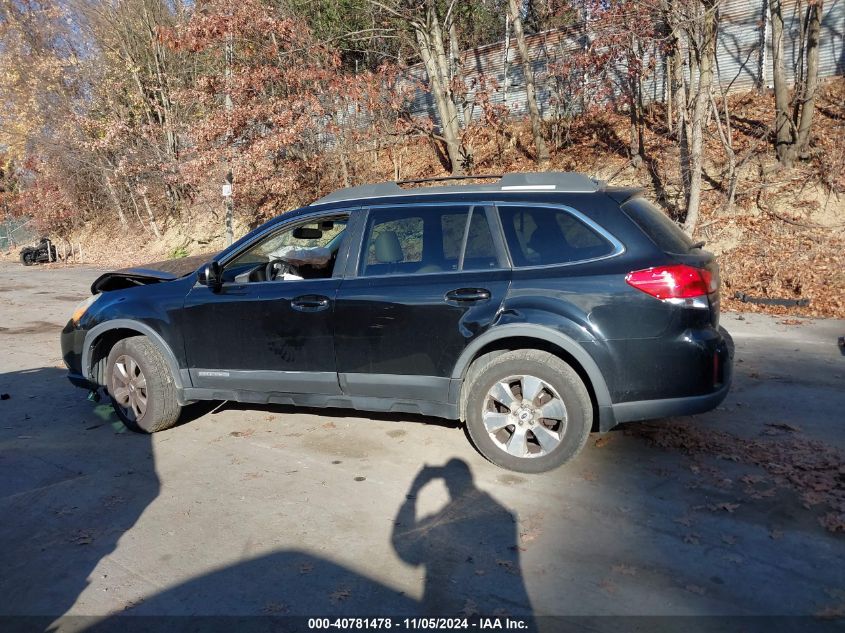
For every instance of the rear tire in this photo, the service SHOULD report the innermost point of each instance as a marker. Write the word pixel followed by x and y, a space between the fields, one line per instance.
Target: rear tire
pixel 141 386
pixel 527 410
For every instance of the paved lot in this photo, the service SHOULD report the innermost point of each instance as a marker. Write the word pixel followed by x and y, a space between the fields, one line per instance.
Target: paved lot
pixel 246 511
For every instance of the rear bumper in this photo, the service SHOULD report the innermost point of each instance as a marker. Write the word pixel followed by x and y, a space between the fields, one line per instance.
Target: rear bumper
pixel 689 405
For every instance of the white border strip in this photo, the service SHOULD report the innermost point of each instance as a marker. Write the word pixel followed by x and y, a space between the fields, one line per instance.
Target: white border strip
pixel 529 188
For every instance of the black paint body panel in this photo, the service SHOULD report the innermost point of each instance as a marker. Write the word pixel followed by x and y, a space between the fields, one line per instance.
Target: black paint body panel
pixel 396 342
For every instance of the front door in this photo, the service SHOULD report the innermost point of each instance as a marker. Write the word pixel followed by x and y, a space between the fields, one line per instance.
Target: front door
pixel 270 327
pixel 430 279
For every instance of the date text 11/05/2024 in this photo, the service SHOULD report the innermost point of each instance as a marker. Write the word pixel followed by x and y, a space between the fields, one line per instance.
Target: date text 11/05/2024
pixel 430 624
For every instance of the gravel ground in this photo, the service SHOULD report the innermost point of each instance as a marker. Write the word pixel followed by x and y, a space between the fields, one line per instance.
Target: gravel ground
pixel 271 510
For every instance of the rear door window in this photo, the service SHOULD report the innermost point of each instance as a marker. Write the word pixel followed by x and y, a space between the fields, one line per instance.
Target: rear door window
pixel 667 235
pixel 540 236
pixel 418 240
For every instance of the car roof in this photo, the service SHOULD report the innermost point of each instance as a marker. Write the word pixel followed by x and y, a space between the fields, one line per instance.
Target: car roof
pixel 536 182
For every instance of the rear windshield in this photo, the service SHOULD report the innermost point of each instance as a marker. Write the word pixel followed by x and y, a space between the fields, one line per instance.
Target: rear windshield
pixel 668 236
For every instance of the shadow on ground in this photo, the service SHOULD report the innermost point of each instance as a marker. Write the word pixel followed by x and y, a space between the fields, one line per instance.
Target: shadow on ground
pixel 77 490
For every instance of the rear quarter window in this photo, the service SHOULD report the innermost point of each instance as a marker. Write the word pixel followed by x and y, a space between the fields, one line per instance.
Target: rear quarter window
pixel 667 235
pixel 540 236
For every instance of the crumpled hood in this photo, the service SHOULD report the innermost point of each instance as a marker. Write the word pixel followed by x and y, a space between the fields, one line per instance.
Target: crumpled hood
pixel 148 273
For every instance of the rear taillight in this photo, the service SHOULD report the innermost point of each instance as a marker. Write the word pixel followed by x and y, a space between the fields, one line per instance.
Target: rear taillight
pixel 680 284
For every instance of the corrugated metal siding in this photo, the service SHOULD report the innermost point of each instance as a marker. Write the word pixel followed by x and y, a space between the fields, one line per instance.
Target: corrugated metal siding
pixel 742 61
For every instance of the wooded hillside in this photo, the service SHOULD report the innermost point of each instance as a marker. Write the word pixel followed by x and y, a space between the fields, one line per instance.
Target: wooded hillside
pixel 122 121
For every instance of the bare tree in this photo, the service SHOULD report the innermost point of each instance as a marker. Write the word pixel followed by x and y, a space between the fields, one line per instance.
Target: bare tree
pixel 806 95
pixel 530 88
pixel 794 121
pixel 784 138
pixel 429 37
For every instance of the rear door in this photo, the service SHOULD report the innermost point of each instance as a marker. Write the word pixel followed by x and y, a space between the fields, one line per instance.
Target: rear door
pixel 429 279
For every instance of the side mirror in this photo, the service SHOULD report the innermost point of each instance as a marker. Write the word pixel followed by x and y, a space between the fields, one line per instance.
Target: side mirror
pixel 212 276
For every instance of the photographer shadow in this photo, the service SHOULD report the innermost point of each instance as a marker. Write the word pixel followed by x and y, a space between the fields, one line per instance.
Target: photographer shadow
pixel 468 550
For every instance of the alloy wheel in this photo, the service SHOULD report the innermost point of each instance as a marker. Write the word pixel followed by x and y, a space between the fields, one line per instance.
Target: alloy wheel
pixel 524 416
pixel 129 387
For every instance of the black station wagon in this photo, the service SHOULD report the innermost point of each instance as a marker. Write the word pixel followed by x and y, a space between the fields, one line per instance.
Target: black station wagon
pixel 535 309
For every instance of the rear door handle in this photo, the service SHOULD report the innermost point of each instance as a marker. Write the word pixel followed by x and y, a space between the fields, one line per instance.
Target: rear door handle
pixel 309 303
pixel 468 295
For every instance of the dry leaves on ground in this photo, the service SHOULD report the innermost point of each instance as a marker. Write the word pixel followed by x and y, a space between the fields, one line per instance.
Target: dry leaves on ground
pixel 814 470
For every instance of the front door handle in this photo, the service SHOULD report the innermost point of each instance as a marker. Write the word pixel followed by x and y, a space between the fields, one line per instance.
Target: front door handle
pixel 309 303
pixel 468 295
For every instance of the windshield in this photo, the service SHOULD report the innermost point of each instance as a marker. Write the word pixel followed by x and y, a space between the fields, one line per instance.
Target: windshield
pixel 315 234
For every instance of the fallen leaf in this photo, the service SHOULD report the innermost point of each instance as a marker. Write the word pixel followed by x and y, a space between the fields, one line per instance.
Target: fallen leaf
pixel 306 568
pixel 692 539
pixel 339 596
pixel 470 609
pixel 783 426
pixel 625 570
pixel 603 441
pixel 776 535
pixel 82 537
pixel 727 507
pixel 833 522
pixel 685 520
pixel 246 433
pixel 607 585
pixel 831 613
pixel 508 566
pixel 329 425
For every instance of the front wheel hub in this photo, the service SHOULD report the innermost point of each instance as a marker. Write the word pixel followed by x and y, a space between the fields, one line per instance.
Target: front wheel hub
pixel 129 387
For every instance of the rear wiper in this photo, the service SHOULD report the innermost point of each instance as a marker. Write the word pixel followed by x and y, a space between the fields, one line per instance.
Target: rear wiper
pixel 697 245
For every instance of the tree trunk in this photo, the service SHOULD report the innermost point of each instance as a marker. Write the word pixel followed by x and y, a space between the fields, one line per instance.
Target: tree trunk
pixel 678 91
pixel 705 54
pixel 784 138
pixel 683 128
pixel 811 83
pixel 135 208
pixel 442 64
pixel 530 89
pixel 448 121
pixel 150 214
pixel 636 145
pixel 115 200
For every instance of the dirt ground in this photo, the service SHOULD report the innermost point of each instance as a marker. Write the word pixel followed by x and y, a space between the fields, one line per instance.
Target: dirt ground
pixel 246 511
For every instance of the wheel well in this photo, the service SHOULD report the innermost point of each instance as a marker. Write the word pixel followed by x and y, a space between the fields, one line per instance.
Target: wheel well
pixel 501 346
pixel 101 347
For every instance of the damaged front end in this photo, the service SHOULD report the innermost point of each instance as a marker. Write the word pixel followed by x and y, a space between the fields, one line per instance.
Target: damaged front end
pixel 148 274
pixel 111 300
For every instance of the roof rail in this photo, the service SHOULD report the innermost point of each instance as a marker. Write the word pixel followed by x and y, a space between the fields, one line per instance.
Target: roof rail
pixel 362 191
pixel 448 178
pixel 552 180
pixel 559 181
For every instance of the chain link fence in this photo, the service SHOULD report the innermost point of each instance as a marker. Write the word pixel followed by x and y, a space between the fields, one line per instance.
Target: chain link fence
pixel 16 232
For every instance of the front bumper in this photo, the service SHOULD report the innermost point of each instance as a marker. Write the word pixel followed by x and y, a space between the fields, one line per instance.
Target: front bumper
pixel 78 380
pixel 72 340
